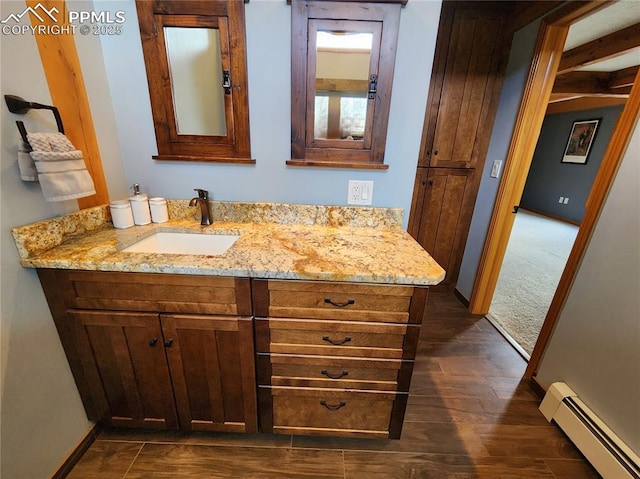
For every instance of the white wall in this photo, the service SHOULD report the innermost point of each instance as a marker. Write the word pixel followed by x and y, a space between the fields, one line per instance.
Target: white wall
pixel 595 347
pixel 269 50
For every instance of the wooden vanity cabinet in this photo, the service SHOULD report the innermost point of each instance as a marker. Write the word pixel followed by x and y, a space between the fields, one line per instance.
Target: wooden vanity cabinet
pixel 335 358
pixel 158 350
pixel 171 351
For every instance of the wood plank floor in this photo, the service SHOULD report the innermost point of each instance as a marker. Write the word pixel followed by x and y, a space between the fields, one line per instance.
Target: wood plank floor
pixel 469 416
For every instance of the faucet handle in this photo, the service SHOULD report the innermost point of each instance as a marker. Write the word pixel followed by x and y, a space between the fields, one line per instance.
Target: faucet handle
pixel 203 194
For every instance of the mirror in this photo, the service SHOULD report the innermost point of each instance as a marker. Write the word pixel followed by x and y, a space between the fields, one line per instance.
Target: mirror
pixel 342 61
pixel 195 69
pixel 196 65
pixel 342 73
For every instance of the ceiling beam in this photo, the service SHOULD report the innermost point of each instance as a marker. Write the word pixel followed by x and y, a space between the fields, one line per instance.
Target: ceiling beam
pixel 573 11
pixel 603 48
pixel 525 12
pixel 619 93
pixel 622 78
pixel 582 82
pixel 594 83
pixel 583 103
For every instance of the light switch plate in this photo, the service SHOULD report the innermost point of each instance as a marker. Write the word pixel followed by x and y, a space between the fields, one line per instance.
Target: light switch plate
pixel 495 168
pixel 360 192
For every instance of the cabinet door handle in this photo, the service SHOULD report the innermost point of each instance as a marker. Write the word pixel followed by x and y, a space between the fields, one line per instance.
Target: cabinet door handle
pixel 331 407
pixel 334 376
pixel 153 342
pixel 168 343
pixel 340 305
pixel 336 343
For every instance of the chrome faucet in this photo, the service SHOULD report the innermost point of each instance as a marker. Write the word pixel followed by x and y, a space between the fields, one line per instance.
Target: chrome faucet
pixel 205 212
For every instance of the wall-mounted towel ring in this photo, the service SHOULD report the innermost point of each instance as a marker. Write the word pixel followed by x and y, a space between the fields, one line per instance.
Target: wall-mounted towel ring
pixel 17 104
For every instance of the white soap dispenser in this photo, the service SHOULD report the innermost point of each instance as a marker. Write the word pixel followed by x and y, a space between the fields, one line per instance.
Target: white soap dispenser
pixel 140 206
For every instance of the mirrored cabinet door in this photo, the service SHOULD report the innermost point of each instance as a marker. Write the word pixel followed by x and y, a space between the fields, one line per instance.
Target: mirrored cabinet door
pixel 196 69
pixel 342 62
pixel 194 56
pixel 343 57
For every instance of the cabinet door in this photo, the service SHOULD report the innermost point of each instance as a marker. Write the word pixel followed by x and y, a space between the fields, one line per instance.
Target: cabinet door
pixel 464 88
pixel 124 360
pixel 448 203
pixel 211 359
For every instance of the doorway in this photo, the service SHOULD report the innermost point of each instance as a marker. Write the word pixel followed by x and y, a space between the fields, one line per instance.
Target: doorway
pixel 540 88
pixel 536 255
pixel 546 225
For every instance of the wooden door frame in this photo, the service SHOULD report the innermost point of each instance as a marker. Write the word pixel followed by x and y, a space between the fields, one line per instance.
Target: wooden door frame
pixel 544 66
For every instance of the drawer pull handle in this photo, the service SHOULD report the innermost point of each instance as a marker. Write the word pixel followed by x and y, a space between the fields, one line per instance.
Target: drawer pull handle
pixel 332 407
pixel 153 342
pixel 336 343
pixel 168 343
pixel 340 305
pixel 334 376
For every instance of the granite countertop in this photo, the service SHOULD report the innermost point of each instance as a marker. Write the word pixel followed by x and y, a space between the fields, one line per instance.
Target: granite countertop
pixel 351 244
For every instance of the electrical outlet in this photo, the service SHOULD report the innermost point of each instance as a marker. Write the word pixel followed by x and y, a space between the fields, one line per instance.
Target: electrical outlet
pixel 360 192
pixel 561 199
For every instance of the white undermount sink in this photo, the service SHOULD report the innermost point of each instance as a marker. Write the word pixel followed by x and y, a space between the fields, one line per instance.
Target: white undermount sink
pixel 183 243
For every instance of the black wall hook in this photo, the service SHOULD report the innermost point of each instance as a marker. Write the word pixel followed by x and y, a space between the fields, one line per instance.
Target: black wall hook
pixel 17 104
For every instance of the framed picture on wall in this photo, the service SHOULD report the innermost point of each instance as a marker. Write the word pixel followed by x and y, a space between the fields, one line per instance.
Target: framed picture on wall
pixel 580 141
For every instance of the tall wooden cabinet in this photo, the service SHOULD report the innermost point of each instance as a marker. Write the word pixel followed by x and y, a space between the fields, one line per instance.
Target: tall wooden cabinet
pixel 466 80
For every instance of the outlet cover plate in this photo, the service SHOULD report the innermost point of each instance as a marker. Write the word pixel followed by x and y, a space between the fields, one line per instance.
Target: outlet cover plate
pixel 360 192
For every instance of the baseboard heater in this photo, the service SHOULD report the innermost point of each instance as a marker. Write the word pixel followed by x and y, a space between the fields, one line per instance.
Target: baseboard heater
pixel 606 452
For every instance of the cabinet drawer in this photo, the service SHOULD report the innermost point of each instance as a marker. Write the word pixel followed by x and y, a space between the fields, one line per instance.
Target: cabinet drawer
pixel 325 300
pixel 328 372
pixel 330 338
pixel 156 292
pixel 331 412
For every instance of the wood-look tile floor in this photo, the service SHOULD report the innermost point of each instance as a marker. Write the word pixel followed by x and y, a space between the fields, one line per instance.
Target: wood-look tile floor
pixel 469 416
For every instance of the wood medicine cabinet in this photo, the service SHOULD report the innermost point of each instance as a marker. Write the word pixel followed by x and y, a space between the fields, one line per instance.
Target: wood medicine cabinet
pixel 342 62
pixel 195 58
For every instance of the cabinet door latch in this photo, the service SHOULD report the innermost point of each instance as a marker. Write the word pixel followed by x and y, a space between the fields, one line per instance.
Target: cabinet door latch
pixel 373 86
pixel 226 81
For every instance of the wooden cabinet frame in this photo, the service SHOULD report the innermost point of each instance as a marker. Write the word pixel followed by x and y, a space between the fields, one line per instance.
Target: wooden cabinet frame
pixel 228 17
pixel 369 153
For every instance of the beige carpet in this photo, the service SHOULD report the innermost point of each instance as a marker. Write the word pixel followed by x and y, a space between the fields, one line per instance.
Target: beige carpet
pixel 536 254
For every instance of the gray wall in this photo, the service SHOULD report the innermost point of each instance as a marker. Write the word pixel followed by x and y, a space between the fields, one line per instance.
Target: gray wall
pixel 549 178
pixel 515 79
pixel 41 415
pixel 595 347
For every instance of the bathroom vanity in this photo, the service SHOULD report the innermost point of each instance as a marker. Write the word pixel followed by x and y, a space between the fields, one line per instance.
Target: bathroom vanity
pixel 307 324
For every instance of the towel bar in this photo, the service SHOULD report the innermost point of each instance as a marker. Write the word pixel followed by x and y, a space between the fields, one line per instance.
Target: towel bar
pixel 17 104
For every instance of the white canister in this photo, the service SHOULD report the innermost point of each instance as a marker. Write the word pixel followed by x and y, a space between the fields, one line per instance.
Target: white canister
pixel 159 212
pixel 140 208
pixel 121 213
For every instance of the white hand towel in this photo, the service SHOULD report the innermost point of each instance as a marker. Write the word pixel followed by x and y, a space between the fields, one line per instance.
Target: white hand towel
pixel 61 170
pixel 25 163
